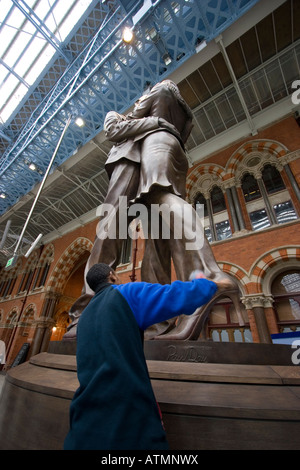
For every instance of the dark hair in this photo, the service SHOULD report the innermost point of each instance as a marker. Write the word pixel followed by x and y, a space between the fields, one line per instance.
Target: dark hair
pixel 98 274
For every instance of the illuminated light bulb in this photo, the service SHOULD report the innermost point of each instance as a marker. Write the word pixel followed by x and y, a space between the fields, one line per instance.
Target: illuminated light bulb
pixel 127 35
pixel 80 122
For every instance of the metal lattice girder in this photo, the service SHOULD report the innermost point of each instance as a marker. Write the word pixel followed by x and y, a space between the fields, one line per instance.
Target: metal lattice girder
pixel 109 74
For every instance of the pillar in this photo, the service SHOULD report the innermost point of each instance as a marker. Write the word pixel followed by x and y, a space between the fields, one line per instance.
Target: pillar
pixel 257 304
pixel 44 324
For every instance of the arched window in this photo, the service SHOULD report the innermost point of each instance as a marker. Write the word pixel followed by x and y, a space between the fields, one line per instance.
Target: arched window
pixel 216 220
pixel 217 200
pixel 200 200
pixel 8 281
pixel 43 267
pixel 223 325
pixel 272 179
pixel 267 200
pixel 27 320
pixel 27 277
pixel 286 293
pixel 250 188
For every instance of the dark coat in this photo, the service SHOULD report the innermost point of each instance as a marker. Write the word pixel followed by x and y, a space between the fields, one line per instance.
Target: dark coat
pixel 114 407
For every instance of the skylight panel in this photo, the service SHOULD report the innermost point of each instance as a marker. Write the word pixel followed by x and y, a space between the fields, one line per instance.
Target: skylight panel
pixel 40 63
pixel 7 88
pixel 25 50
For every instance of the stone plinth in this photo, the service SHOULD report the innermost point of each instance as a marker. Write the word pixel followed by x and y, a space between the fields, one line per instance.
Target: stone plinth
pixel 205 405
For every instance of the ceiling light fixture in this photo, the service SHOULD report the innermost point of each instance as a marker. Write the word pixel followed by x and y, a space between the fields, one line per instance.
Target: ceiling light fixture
pixel 80 122
pixel 167 59
pixel 201 46
pixel 127 35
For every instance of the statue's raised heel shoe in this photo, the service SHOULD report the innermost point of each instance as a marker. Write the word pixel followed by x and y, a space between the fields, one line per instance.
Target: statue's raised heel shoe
pixel 189 327
pixel 71 334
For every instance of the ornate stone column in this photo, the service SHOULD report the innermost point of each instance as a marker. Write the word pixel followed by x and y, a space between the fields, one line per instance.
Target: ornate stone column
pixel 231 210
pixel 268 206
pixel 44 324
pixel 211 218
pixel 234 205
pixel 285 163
pixel 257 303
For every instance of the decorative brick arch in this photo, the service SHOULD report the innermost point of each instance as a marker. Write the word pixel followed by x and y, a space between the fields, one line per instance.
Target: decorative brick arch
pixel 270 146
pixel 12 316
pixel 66 263
pixel 275 149
pixel 236 272
pixel 29 314
pixel 197 176
pixel 276 257
pixel 47 255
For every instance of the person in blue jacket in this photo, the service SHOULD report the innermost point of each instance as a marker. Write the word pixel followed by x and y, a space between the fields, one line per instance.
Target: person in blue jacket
pixel 114 407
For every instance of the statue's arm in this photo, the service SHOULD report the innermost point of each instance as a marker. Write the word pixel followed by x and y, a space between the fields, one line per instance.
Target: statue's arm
pixel 118 130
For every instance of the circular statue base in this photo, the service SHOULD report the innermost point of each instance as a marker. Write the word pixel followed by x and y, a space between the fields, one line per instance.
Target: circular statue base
pixel 207 403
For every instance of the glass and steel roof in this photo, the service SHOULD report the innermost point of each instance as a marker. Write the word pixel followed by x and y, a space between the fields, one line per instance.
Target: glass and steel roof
pixel 30 34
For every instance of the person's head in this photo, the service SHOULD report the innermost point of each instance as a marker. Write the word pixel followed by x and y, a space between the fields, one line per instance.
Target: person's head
pixel 100 273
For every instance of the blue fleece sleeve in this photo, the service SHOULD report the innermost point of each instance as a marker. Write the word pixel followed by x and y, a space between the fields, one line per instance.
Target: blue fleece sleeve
pixel 154 303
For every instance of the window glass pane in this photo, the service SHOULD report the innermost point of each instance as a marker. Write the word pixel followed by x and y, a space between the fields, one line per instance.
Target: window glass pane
pixel 200 199
pixel 287 282
pixel 261 88
pixel 250 97
pixel 285 212
pixel 215 117
pixel 233 315
pixel 276 80
pixel 250 188
pixel 289 67
pixel 204 124
pixel 215 336
pixel 259 219
pixel 217 315
pixel 235 104
pixel 224 336
pixel 248 336
pixel 126 251
pixel 217 200
pixel 223 230
pixel 208 234
pixel 238 338
pixel 290 330
pixel 287 309
pixel 272 179
pixel 225 110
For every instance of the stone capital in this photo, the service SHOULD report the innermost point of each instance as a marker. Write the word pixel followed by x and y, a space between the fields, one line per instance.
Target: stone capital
pixel 257 300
